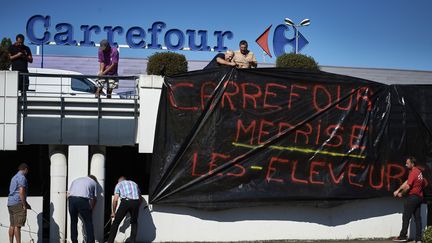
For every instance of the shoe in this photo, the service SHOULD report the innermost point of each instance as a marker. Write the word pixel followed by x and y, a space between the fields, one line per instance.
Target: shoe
pixel 400 239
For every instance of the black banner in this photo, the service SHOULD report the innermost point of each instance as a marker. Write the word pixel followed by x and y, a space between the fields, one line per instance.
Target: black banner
pixel 244 137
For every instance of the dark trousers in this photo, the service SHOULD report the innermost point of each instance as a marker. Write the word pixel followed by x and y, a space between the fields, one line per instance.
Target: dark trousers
pixel 412 207
pixel 23 82
pixel 126 206
pixel 81 206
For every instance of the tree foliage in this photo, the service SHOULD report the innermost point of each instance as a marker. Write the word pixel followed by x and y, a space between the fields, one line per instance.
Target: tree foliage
pixel 166 64
pixel 297 61
pixel 4 54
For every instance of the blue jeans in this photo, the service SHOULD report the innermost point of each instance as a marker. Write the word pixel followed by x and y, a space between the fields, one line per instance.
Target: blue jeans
pixel 81 206
pixel 412 206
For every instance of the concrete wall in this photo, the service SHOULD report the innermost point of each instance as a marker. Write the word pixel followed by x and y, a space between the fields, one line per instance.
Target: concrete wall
pixel 372 218
pixel 33 228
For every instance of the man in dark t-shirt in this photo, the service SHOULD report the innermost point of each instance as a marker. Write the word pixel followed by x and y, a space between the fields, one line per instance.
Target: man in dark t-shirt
pixel 20 55
pixel 221 59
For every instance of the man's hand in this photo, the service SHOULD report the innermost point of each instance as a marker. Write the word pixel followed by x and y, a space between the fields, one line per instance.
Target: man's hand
pixel 397 193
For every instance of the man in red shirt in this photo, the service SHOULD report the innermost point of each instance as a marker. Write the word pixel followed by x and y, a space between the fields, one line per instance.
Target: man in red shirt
pixel 414 188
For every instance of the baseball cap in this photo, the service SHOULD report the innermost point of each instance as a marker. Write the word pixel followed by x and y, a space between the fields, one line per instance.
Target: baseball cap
pixel 103 45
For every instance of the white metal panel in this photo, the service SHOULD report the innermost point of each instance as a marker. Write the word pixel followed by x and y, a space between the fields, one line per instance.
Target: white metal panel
pixel 11 110
pixel 149 104
pixel 2 82
pixel 157 81
pixel 77 162
pixel 149 93
pixel 10 137
pixel 145 81
pixel 2 109
pixel 11 83
pixel 2 136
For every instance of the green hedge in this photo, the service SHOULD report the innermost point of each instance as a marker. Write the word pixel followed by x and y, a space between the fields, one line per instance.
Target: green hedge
pixel 166 64
pixel 297 61
pixel 4 54
pixel 427 235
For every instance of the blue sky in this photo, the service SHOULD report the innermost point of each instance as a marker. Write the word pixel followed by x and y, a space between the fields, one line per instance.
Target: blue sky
pixel 368 33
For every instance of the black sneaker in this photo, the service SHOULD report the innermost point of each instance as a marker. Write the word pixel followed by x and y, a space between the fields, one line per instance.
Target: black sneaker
pixel 400 239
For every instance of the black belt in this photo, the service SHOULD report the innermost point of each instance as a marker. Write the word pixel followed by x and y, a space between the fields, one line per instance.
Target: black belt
pixel 128 199
pixel 85 198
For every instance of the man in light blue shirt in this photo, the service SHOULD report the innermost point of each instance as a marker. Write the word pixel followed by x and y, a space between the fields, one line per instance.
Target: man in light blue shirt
pixel 82 200
pixel 17 203
pixel 131 200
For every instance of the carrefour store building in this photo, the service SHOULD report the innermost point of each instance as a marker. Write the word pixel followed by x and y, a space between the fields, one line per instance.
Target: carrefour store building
pixel 220 154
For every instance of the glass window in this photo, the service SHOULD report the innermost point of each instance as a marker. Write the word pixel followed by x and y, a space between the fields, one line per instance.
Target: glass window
pixel 83 85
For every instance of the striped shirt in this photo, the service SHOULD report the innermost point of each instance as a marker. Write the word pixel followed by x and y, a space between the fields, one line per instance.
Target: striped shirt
pixel 127 190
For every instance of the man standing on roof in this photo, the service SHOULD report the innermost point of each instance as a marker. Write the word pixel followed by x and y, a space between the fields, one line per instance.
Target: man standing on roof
pixel 108 65
pixel 20 55
pixel 221 59
pixel 243 57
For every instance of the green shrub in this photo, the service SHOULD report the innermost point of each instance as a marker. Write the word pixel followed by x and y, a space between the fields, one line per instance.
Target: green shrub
pixel 6 42
pixel 427 235
pixel 166 64
pixel 4 54
pixel 297 61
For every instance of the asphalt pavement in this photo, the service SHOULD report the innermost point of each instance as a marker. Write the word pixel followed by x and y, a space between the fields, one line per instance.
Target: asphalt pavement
pixel 306 241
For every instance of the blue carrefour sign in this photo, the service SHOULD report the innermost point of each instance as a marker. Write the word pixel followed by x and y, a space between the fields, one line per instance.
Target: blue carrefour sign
pixel 135 37
pixel 280 40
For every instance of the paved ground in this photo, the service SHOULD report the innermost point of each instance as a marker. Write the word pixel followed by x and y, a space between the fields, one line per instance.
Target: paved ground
pixel 292 241
pixel 309 241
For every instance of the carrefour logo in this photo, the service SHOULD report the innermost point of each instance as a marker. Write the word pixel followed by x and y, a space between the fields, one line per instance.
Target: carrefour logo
pixel 38 32
pixel 280 40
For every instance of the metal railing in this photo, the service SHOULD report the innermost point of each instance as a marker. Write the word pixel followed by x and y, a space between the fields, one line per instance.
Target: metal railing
pixel 53 103
pixel 45 84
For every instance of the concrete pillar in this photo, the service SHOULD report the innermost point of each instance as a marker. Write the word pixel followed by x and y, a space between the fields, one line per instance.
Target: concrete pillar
pixel 97 168
pixel 58 189
pixel 77 167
